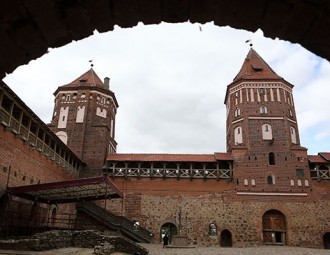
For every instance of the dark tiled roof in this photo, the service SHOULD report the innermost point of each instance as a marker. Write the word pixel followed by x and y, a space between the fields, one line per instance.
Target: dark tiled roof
pixel 254 67
pixel 89 78
pixel 316 159
pixel 325 155
pixel 170 157
pixel 223 156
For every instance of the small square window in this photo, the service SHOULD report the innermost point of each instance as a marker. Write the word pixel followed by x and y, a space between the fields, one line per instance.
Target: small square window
pixel 299 172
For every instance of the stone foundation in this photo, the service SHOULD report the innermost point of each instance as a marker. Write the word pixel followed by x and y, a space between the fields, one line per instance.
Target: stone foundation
pixel 67 238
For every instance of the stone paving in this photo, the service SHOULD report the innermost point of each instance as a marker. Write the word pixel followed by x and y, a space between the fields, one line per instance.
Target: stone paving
pixel 156 249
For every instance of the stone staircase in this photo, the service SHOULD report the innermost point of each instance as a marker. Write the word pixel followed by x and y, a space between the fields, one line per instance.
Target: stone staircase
pixel 120 224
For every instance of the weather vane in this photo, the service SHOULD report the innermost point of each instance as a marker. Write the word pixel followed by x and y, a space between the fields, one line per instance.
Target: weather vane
pixel 250 41
pixel 91 61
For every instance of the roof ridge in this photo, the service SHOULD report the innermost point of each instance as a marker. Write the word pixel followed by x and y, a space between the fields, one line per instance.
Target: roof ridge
pixel 255 67
pixel 89 78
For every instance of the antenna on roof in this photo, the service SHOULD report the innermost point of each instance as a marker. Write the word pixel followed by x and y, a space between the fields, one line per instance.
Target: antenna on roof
pixel 250 41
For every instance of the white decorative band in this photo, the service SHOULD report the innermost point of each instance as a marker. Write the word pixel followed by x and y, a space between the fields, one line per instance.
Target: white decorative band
pixel 266 118
pixel 237 121
pixel 272 194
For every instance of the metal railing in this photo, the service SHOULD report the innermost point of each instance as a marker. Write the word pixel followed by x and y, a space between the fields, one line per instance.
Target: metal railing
pixel 14 126
pixel 118 223
pixel 169 173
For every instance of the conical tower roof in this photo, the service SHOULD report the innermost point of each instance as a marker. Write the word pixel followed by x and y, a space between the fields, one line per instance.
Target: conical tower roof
pixel 89 78
pixel 254 67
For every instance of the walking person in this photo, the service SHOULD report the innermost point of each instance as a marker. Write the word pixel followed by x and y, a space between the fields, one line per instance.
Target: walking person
pixel 165 240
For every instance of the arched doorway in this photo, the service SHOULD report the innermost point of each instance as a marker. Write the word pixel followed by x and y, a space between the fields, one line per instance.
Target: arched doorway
pixel 274 227
pixel 326 240
pixel 170 229
pixel 226 238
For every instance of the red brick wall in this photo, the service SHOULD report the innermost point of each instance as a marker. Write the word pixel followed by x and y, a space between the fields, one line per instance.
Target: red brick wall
pixel 90 139
pixel 156 202
pixel 27 166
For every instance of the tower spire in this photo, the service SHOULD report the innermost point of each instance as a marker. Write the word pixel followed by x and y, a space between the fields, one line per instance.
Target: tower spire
pixel 254 67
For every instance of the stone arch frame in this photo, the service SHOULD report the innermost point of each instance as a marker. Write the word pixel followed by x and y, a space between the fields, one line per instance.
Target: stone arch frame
pixel 55 24
pixel 326 239
pixel 171 222
pixel 280 208
pixel 283 232
pixel 231 235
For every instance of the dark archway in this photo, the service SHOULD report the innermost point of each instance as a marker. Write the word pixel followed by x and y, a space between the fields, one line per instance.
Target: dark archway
pixel 274 227
pixel 226 238
pixel 29 28
pixel 271 158
pixel 170 229
pixel 326 240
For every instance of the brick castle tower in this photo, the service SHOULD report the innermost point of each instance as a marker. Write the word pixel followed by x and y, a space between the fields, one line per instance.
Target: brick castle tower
pixel 84 118
pixel 262 131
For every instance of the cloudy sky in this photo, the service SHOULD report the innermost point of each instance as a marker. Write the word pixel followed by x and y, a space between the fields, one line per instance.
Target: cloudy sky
pixel 170 81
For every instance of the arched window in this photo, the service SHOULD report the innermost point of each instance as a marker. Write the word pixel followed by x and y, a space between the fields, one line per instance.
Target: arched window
pixel 290 112
pixel 238 136
pixel 292 183
pixel 263 109
pixel 253 182
pixel 293 135
pixel 270 179
pixel 271 158
pixel 261 91
pixel 306 183
pixel 299 182
pixel 246 182
pixel 237 112
pixel 212 229
pixel 267 133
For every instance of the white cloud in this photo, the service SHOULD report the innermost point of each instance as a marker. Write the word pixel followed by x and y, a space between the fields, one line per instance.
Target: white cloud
pixel 170 81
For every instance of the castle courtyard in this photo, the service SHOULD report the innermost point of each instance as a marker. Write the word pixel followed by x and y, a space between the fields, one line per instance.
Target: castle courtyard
pixel 156 249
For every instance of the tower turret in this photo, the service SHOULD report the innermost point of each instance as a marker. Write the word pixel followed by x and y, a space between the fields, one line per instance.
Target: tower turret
pixel 84 118
pixel 260 108
pixel 262 129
